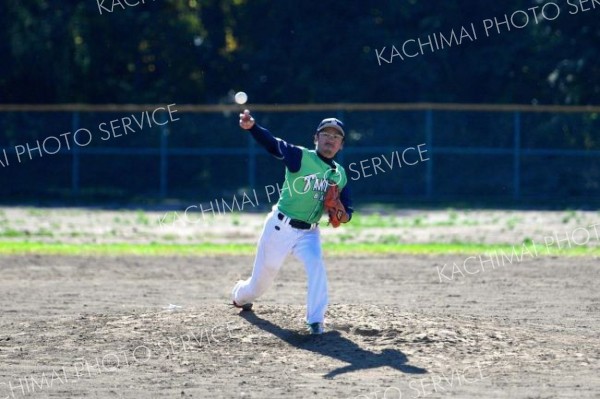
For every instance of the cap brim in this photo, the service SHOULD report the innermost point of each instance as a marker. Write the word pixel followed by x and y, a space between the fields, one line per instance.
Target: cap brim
pixel 334 126
pixel 339 129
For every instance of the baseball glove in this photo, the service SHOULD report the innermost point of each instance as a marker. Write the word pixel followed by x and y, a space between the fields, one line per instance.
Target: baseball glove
pixel 334 207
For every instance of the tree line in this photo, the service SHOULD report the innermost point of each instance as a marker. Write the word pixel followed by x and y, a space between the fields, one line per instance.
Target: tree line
pixel 191 51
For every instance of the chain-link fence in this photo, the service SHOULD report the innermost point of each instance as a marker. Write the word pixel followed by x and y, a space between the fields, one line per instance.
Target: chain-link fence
pixel 475 154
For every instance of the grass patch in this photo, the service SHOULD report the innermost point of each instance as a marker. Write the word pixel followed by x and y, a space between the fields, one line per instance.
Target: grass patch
pixel 141 218
pixel 156 249
pixel 12 233
pixel 43 233
pixel 37 212
pixel 569 215
pixel 377 220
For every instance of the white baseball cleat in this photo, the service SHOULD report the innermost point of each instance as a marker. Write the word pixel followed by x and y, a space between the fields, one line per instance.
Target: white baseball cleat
pixel 246 306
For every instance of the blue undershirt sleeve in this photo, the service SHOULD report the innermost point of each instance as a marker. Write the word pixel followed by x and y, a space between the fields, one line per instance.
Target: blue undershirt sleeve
pixel 346 200
pixel 290 154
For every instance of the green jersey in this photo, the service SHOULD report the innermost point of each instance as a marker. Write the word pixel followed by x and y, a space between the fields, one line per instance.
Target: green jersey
pixel 303 191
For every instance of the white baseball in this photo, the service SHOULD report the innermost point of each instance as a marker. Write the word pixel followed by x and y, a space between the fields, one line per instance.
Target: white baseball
pixel 241 97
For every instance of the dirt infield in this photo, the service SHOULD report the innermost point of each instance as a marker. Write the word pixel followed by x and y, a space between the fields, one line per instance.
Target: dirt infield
pixel 104 327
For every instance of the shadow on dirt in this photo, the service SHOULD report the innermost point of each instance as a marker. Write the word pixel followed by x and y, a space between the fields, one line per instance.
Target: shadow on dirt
pixel 332 344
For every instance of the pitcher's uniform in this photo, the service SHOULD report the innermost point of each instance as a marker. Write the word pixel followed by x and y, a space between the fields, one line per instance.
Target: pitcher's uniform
pixel 292 225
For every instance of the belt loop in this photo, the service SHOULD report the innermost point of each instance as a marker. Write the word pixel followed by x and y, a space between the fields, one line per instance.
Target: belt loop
pixel 285 219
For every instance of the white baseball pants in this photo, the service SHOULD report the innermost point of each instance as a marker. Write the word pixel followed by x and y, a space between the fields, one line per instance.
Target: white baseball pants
pixel 277 241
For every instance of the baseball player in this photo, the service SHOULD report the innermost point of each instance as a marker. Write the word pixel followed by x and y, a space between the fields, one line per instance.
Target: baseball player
pixel 314 183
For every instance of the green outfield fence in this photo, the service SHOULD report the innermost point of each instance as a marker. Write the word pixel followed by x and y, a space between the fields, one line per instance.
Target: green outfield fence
pixel 477 153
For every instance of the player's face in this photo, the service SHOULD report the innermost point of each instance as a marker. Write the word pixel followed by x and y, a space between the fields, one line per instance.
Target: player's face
pixel 329 141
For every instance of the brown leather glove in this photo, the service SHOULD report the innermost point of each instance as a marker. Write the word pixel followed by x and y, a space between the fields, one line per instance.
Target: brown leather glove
pixel 334 207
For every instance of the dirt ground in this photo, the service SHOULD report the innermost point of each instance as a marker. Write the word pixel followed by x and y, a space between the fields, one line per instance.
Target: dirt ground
pixel 93 226
pixel 136 327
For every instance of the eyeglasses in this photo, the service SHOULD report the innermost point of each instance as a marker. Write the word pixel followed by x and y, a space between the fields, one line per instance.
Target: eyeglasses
pixel 332 136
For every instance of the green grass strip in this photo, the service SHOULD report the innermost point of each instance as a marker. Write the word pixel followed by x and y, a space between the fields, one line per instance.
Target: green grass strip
pixel 156 249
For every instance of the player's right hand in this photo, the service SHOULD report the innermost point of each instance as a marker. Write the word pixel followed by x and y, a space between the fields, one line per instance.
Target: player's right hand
pixel 246 120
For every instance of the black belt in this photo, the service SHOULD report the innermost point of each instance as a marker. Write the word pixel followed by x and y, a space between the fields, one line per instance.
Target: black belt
pixel 295 223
